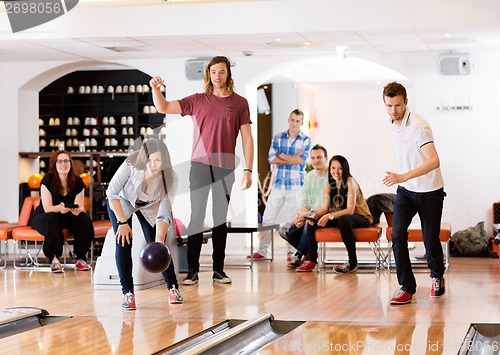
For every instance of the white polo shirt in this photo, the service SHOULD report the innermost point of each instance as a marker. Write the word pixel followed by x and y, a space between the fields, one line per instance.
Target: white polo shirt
pixel 413 133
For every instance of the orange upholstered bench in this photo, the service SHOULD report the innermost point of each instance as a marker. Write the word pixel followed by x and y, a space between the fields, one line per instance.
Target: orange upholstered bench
pixel 27 234
pixel 24 235
pixel 369 235
pixel 24 218
pixel 415 235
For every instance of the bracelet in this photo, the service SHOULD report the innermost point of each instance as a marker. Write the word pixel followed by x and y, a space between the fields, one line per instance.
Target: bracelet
pixel 122 222
pixel 249 170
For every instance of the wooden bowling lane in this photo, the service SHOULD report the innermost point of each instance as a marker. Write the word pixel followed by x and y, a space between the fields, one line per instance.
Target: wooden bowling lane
pixel 348 338
pixel 101 335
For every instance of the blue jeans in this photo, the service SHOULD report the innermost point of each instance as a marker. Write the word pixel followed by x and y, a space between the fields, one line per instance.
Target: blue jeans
pixel 346 225
pixel 123 254
pixel 297 237
pixel 429 206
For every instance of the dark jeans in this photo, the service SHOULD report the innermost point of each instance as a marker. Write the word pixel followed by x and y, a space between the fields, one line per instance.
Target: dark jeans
pixel 202 179
pixel 297 237
pixel 346 225
pixel 51 224
pixel 429 206
pixel 123 254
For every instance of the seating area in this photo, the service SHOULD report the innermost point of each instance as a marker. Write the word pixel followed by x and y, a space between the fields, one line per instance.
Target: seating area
pixel 28 242
pixel 371 235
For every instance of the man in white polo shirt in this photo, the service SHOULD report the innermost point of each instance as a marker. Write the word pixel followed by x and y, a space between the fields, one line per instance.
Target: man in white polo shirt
pixel 420 190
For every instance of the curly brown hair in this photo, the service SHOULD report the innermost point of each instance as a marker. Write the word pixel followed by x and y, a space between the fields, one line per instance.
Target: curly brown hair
pixel 209 86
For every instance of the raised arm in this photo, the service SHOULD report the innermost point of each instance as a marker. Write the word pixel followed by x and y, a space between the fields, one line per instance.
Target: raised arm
pixel 160 102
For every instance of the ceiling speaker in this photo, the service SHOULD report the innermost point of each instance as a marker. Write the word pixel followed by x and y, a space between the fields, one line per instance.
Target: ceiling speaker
pixel 454 65
pixel 195 69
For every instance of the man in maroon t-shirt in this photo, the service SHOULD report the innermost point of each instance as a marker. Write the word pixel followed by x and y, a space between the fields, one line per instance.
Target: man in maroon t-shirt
pixel 218 114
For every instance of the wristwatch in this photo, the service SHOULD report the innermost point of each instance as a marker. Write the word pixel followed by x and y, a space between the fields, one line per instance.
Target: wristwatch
pixel 331 216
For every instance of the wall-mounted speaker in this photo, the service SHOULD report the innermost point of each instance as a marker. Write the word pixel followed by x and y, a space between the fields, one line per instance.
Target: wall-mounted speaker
pixel 458 64
pixel 195 69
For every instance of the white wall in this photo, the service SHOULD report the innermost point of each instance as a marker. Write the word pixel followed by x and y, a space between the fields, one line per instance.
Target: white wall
pixel 350 117
pixel 284 101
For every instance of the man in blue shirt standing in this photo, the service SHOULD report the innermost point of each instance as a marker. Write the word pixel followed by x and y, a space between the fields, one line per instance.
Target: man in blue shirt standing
pixel 288 153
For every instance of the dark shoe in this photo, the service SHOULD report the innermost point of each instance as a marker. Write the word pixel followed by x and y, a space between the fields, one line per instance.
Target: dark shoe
pixel 191 278
pixel 295 262
pixel 403 297
pixel 345 268
pixel 497 239
pixel 438 288
pixel 221 277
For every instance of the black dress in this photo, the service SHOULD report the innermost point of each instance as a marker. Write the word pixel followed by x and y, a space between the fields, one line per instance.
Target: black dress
pixel 51 224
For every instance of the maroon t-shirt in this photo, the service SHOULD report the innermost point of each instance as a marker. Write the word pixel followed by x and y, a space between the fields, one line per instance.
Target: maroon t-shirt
pixel 216 123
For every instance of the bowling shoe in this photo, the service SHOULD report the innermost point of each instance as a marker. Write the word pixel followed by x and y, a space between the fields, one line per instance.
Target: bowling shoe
pixel 56 267
pixel 174 296
pixel 403 297
pixel 345 268
pixel 81 265
pixel 438 288
pixel 128 303
pixel 307 266
pixel 255 256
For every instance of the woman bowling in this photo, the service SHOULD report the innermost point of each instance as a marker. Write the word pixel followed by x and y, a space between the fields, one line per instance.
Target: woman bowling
pixel 62 194
pixel 144 184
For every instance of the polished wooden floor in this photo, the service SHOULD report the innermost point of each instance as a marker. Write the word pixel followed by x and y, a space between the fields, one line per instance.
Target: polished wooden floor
pixel 345 314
